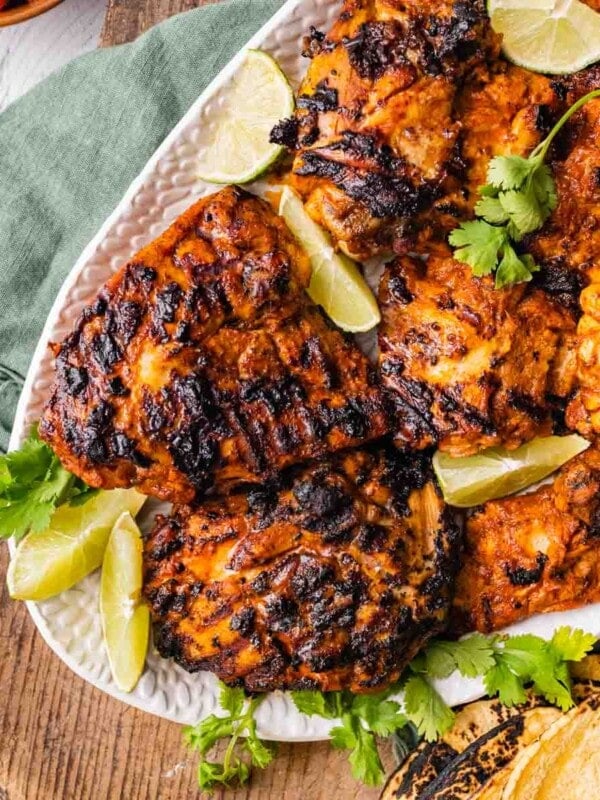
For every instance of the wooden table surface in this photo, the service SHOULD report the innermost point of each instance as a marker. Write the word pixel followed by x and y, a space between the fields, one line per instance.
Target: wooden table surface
pixel 61 739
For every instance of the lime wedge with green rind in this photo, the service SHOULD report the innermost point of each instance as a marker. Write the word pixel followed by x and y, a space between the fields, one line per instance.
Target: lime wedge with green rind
pixel 50 561
pixel 473 480
pixel 548 36
pixel 125 616
pixel 336 282
pixel 258 96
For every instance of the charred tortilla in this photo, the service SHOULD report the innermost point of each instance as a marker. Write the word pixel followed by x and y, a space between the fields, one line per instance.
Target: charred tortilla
pixel 429 760
pixel 564 762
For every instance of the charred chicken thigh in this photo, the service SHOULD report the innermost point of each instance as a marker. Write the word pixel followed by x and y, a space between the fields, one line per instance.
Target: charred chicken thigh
pixel 469 366
pixel 532 553
pixel 375 135
pixel 331 578
pixel 202 363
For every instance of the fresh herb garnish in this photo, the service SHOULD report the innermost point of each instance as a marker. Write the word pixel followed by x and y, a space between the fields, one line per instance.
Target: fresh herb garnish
pixel 518 199
pixel 238 722
pixel 362 717
pixel 508 665
pixel 33 483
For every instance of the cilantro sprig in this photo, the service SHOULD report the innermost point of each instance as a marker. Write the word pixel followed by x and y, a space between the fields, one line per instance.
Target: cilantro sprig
pixel 33 483
pixel 362 718
pixel 518 198
pixel 237 723
pixel 509 666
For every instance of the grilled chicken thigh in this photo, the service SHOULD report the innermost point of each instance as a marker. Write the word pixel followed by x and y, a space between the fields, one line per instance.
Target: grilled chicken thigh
pixel 332 578
pixel 375 135
pixel 533 553
pixel 470 366
pixel 203 363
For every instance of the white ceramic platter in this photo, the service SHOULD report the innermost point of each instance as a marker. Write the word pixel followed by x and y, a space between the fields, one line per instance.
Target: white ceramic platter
pixel 70 623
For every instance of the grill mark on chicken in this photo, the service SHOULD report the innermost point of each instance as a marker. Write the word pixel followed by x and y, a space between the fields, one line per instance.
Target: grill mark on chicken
pixel 377 47
pixel 381 188
pixel 469 366
pixel 203 364
pixel 333 577
pixel 533 553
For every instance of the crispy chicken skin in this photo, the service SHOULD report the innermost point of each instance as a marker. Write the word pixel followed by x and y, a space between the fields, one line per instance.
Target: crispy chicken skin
pixel 202 363
pixel 469 366
pixel 375 136
pixel 332 578
pixel 533 553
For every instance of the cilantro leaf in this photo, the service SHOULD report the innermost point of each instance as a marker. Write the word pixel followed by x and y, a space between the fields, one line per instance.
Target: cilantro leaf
pixel 343 736
pixel 501 681
pixel 80 496
pixel 231 699
pixel 238 720
pixel 530 660
pixel 206 734
pixel 523 653
pixel 491 210
pixel 478 245
pixel 365 761
pixel 382 717
pixel 471 656
pixel 210 774
pixel 425 708
pixel 514 269
pixel 543 185
pixel 31 462
pixel 523 209
pixel 260 755
pixel 33 483
pixel 361 717
pixel 364 757
pixel 319 704
pixel 508 172
pixel 572 644
pixel 439 661
pixel 553 682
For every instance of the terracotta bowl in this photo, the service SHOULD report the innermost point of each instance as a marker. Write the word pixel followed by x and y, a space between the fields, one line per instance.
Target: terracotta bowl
pixel 25 10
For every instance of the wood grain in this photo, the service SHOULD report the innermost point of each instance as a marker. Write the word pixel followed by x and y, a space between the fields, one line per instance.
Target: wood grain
pixel 126 19
pixel 61 739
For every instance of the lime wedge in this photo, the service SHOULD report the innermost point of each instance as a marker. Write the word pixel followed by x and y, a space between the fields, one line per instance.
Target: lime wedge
pixel 125 616
pixel 552 36
pixel 258 97
pixel 50 561
pixel 497 472
pixel 336 283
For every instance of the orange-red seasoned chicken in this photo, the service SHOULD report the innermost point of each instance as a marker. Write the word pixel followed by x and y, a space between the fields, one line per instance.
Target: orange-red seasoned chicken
pixel 500 110
pixel 375 135
pixel 470 366
pixel 533 553
pixel 202 363
pixel 332 578
pixel 476 366
pixel 571 237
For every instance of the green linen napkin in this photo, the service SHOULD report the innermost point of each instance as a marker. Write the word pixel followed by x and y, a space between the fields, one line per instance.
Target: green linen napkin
pixel 70 148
